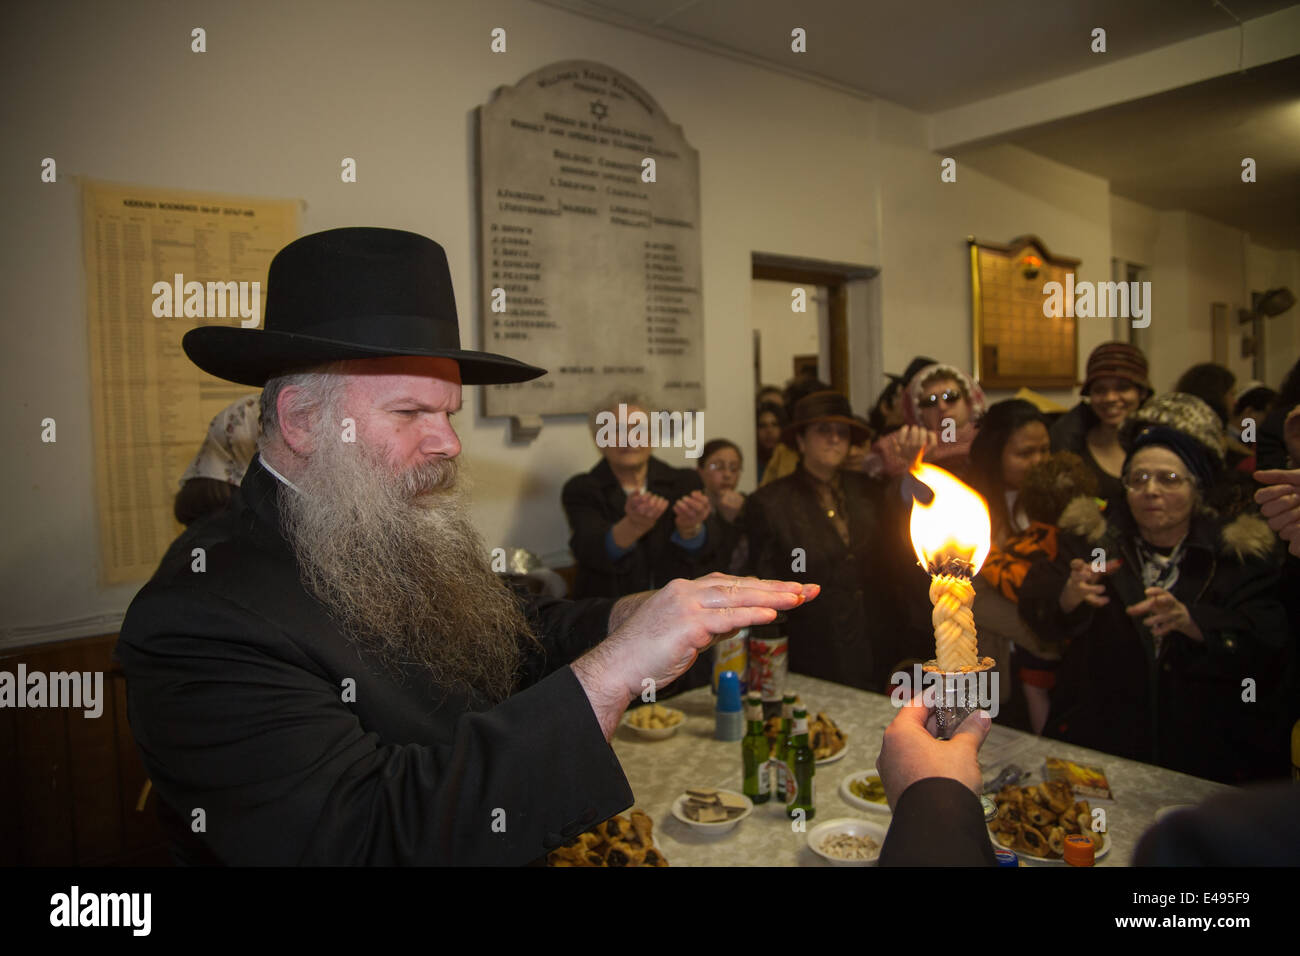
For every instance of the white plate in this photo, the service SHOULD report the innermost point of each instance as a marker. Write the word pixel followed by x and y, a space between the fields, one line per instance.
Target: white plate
pixel 853 800
pixel 851 826
pixel 654 733
pixel 838 755
pixel 722 826
pixel 1105 848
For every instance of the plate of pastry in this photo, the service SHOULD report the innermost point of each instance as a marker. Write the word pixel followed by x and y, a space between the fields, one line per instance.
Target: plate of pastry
pixel 619 841
pixel 1034 821
pixel 828 742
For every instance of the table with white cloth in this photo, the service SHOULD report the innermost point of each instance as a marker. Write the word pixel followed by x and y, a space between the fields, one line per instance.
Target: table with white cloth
pixel 660 770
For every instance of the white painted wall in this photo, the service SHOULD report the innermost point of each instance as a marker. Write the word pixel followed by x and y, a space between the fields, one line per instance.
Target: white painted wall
pixel 1001 192
pixel 288 89
pixel 283 93
pixel 1194 263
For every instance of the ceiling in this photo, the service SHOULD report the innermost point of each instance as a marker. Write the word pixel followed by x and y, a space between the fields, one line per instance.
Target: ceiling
pixel 891 49
pixel 1176 150
pixel 1183 149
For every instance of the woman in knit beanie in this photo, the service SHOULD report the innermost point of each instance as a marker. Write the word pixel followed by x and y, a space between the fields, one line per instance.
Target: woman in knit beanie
pixel 1114 386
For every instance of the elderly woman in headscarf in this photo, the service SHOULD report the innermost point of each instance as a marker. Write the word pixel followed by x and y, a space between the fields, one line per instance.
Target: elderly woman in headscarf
pixel 1177 643
pixel 942 406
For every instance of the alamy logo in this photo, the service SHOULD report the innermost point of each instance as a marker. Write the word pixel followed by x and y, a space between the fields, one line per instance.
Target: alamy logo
pixel 79 690
pixel 639 429
pixel 1120 300
pixel 103 909
pixel 215 300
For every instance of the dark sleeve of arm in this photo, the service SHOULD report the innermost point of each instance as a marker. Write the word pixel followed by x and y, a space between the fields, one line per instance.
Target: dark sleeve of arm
pixel 1040 598
pixel 761 558
pixel 1270 447
pixel 937 822
pixel 1249 620
pixel 588 525
pixel 680 561
pixel 565 630
pixel 232 718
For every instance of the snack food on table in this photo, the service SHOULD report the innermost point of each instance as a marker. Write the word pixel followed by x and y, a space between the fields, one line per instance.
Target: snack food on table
pixel 1036 819
pixel 619 841
pixel 713 806
pixel 871 789
pixel 844 846
pixel 654 717
pixel 825 738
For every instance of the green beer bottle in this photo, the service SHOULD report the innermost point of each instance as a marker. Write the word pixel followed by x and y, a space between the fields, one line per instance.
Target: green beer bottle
pixel 781 787
pixel 802 765
pixel 754 750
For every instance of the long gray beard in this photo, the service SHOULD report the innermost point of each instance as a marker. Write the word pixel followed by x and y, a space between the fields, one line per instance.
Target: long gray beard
pixel 399 565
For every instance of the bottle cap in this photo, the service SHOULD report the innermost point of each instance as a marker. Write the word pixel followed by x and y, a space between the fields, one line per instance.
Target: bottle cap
pixel 1079 850
pixel 729 692
pixel 1006 858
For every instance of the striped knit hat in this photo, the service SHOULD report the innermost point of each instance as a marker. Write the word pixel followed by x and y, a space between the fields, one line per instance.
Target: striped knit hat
pixel 1117 360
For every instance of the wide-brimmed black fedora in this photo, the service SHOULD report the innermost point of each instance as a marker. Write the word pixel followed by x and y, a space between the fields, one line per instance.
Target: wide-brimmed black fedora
pixel 352 293
pixel 826 406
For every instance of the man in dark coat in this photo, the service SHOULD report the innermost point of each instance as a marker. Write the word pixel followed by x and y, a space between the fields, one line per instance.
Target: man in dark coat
pixel 327 671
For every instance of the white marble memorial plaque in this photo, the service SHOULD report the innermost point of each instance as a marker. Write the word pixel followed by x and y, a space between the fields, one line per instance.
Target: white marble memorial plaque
pixel 590 254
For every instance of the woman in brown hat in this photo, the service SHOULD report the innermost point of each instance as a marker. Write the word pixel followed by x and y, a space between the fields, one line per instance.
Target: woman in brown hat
pixel 1114 387
pixel 821 524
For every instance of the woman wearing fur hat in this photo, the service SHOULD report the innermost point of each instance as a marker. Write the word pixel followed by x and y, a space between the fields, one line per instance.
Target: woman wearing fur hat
pixel 942 406
pixel 1177 643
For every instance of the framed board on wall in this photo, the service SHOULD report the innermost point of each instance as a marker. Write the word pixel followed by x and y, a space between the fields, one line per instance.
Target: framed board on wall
pixel 1016 344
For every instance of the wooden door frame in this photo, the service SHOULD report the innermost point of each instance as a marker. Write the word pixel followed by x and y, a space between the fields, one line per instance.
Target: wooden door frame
pixel 835 276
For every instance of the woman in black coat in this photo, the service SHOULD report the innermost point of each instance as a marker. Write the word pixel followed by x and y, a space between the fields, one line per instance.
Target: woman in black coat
pixel 1177 641
pixel 820 525
pixel 636 522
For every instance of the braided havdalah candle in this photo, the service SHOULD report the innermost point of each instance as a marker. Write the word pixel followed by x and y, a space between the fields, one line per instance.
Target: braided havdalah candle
pixel 954 622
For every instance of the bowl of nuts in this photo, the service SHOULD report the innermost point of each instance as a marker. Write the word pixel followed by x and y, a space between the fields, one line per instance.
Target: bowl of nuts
pixel 654 722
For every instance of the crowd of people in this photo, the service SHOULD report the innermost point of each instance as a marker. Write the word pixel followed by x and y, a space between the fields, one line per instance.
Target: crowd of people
pixel 1134 594
pixel 1136 599
pixel 349 680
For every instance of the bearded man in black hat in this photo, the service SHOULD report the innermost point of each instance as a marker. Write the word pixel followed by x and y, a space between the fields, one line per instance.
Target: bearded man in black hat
pixel 345 680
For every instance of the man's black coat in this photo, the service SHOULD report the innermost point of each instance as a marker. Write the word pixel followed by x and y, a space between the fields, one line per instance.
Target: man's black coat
pixel 248 703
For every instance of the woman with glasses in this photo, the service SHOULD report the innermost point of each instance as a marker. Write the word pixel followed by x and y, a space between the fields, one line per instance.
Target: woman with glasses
pixel 942 407
pixel 1114 387
pixel 1177 645
pixel 720 466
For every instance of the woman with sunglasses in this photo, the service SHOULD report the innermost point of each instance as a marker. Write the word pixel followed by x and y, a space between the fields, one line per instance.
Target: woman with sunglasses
pixel 942 407
pixel 720 466
pixel 1177 648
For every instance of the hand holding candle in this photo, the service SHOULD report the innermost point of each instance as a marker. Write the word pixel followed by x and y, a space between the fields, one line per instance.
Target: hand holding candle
pixel 951 536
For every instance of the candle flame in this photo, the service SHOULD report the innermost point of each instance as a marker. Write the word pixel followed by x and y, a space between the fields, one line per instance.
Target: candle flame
pixel 955 525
